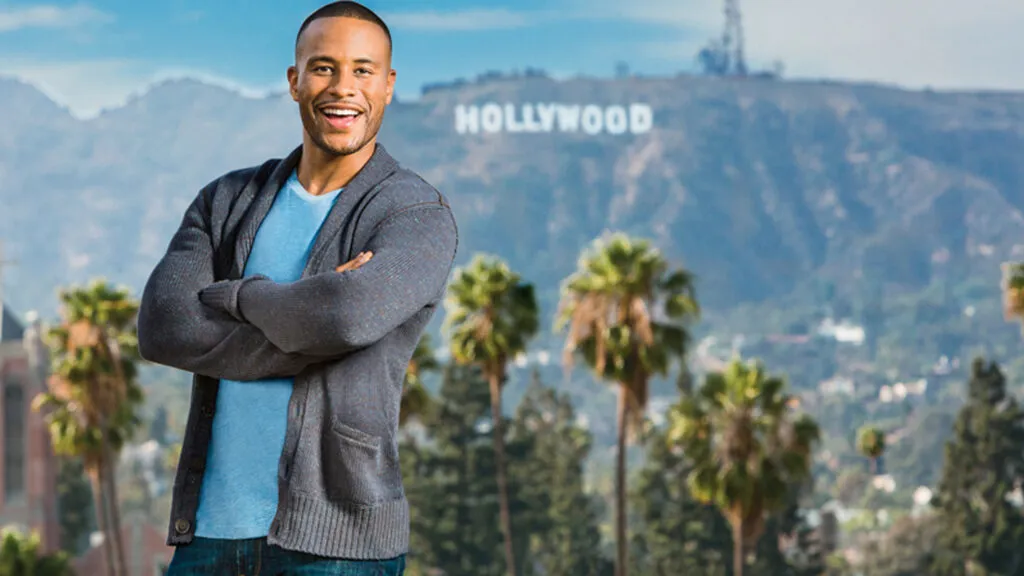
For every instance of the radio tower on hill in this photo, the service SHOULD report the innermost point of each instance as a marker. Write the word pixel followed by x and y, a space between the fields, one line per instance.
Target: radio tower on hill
pixel 732 38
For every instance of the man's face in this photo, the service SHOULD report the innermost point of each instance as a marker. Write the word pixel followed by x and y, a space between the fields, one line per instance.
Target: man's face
pixel 342 81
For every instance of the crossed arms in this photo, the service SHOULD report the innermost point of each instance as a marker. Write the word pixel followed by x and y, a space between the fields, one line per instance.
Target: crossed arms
pixel 254 328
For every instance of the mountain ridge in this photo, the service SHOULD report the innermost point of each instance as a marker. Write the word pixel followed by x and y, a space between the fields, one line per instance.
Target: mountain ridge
pixel 755 184
pixel 495 77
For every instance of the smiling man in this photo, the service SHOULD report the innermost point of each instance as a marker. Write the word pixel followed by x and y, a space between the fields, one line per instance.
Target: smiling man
pixel 295 292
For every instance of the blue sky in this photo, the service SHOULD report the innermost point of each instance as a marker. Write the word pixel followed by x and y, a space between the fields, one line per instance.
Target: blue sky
pixel 91 54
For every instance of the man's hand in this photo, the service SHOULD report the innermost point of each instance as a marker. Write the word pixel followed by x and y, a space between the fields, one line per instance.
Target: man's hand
pixel 359 260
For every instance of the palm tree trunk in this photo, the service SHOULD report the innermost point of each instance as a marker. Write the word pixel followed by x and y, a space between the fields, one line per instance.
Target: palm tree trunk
pixel 874 507
pixel 737 549
pixel 102 523
pixel 621 556
pixel 114 509
pixel 499 458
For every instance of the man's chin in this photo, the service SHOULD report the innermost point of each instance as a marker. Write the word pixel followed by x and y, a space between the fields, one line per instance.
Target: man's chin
pixel 341 147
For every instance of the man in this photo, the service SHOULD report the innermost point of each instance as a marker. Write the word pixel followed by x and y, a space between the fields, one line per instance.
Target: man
pixel 296 292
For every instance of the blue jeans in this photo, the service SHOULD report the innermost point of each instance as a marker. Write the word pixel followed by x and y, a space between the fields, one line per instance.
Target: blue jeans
pixel 254 557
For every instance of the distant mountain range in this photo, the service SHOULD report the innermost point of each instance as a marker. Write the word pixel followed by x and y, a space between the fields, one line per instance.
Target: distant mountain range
pixel 761 187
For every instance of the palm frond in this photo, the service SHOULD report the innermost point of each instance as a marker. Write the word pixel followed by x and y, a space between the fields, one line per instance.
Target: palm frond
pixel 491 314
pixel 745 444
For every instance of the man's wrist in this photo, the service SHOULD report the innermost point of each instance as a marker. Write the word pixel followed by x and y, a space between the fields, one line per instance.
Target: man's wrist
pixel 225 295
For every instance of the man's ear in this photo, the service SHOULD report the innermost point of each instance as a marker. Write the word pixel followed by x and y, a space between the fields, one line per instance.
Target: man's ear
pixel 293 82
pixel 391 85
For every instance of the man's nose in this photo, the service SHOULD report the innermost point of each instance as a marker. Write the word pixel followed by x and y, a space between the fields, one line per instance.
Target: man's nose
pixel 344 85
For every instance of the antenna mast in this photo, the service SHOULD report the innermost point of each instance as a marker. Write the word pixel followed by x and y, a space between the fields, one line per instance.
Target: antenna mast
pixel 734 33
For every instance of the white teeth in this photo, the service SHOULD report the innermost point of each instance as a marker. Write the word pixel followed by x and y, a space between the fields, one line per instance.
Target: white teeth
pixel 331 112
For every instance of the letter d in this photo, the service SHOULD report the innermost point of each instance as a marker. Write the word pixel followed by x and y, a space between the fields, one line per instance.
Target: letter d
pixel 641 119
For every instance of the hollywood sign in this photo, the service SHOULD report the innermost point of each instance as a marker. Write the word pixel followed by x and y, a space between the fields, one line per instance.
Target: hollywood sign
pixel 549 117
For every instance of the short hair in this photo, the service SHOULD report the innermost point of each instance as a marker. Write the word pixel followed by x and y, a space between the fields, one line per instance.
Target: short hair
pixel 344 9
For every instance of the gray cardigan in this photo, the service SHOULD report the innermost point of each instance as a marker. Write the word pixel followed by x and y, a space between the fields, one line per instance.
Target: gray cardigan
pixel 346 338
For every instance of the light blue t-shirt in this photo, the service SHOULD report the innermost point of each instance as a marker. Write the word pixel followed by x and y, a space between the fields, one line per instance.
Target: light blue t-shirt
pixel 238 498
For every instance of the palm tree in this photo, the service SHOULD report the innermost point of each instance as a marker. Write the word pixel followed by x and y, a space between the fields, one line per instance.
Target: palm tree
pixel 626 314
pixel 20 556
pixel 1013 291
pixel 415 397
pixel 93 396
pixel 492 314
pixel 747 448
pixel 871 443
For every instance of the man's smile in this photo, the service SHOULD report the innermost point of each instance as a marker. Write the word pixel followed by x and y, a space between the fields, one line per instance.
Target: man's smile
pixel 341 116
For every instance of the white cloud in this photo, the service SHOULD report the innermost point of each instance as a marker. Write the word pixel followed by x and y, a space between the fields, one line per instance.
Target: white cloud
pixel 88 87
pixel 684 14
pixel 945 44
pixel 48 16
pixel 83 87
pixel 461 20
pixel 660 12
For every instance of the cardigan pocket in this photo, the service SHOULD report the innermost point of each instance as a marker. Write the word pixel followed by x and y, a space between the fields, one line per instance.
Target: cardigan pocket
pixel 352 466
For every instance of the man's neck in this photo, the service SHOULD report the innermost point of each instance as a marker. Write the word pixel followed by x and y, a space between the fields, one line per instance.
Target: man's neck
pixel 321 172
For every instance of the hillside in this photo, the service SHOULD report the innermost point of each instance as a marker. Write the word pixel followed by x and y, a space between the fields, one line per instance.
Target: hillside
pixel 792 202
pixel 770 191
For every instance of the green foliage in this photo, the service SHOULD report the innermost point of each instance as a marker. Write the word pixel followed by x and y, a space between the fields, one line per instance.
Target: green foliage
pixel 1013 290
pixel 626 315
pixel 917 459
pixel 450 484
pixel 94 398
pixel 625 311
pixel 745 446
pixel 74 502
pixel 906 550
pixel 416 401
pixel 20 556
pixel 556 521
pixel 871 442
pixel 804 553
pixel 984 465
pixel 491 313
pixel 676 534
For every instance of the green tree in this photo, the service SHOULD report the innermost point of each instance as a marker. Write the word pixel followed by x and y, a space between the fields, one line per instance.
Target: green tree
pixel 626 313
pixel 803 553
pixel 981 528
pixel 559 528
pixel 906 549
pixel 74 503
pixel 20 556
pixel 871 444
pixel 747 449
pixel 93 399
pixel 1013 292
pixel 676 534
pixel 415 397
pixel 449 483
pixel 491 316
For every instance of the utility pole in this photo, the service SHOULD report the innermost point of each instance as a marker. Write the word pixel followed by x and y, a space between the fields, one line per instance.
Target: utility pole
pixel 734 33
